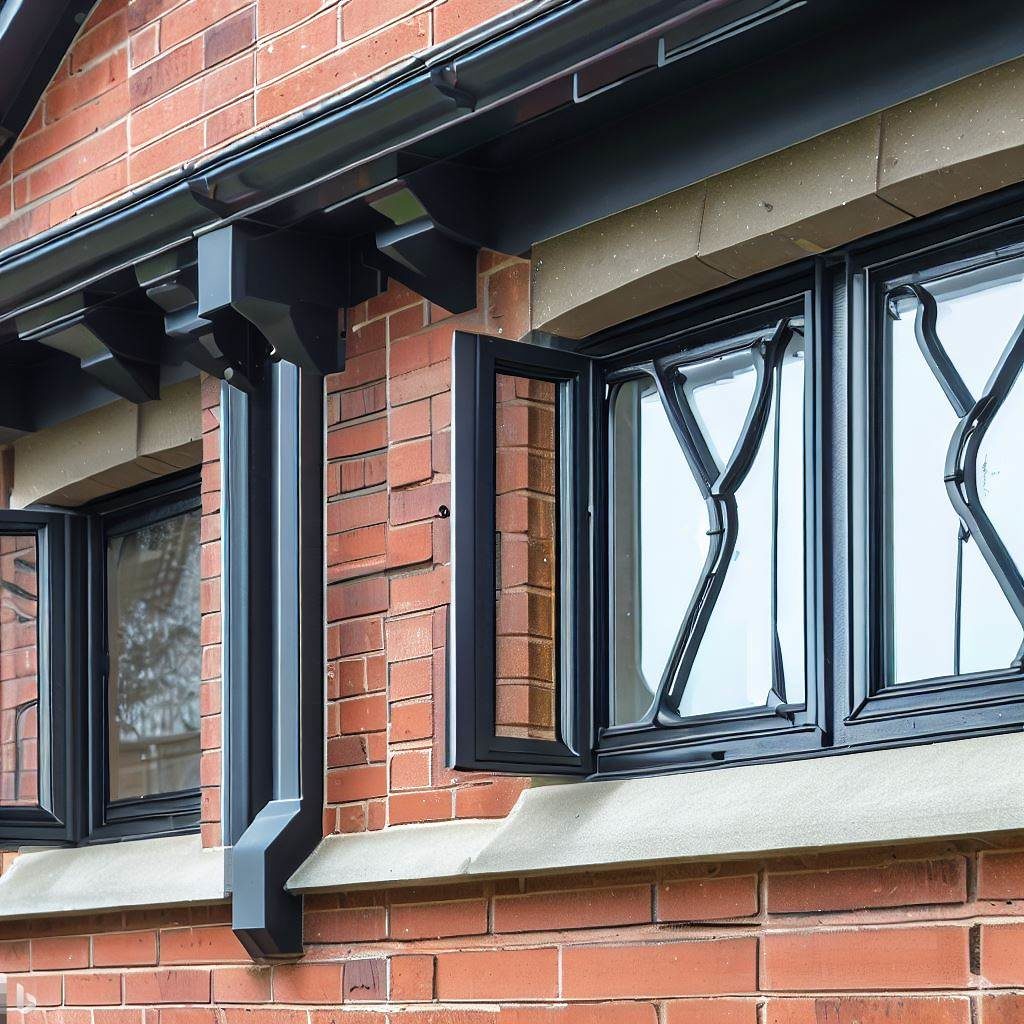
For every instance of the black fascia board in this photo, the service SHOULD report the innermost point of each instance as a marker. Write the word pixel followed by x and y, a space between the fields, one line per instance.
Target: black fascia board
pixel 34 38
pixel 541 43
pixel 324 156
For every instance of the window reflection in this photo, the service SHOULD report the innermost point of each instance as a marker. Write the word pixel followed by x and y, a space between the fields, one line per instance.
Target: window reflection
pixel 708 539
pixel 949 613
pixel 19 671
pixel 154 650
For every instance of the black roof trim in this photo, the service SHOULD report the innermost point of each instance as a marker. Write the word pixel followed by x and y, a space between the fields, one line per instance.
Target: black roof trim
pixel 34 37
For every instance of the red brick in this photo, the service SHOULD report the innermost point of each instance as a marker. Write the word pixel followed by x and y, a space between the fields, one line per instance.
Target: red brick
pixel 895 1009
pixel 452 19
pixel 1002 1009
pixel 488 799
pixel 229 37
pixel 585 908
pixel 711 1011
pixel 413 720
pixel 364 714
pixel 583 1013
pixel 875 958
pixel 193 17
pixel 357 511
pixel 356 599
pixel 201 946
pixel 900 884
pixel 673 969
pixel 14 956
pixel 94 989
pixel 303 44
pixel 409 463
pixel 410 769
pixel 408 545
pixel 426 349
pixel 275 15
pixel 348 924
pixel 45 989
pixel 410 421
pixel 431 805
pixel 1001 875
pixel 438 920
pixel 345 785
pixel 187 985
pixel 99 39
pixel 68 94
pixel 241 985
pixel 409 638
pixel 501 974
pixel 1002 954
pixel 411 979
pixel 415 503
pixel 360 636
pixel 708 899
pixel 410 679
pixel 366 56
pixel 164 73
pixel 421 590
pixel 411 387
pixel 59 954
pixel 308 983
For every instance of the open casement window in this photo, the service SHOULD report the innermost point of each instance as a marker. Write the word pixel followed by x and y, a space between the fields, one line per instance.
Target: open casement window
pixel 940 548
pixel 522 419
pixel 37 673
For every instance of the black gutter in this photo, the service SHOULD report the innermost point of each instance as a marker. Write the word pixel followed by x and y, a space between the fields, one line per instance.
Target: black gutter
pixel 518 54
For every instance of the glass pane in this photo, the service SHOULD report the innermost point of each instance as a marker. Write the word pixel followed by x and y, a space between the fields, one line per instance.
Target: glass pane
pixel 153 635
pixel 19 671
pixel 754 643
pixel 755 635
pixel 660 543
pixel 948 613
pixel 526 557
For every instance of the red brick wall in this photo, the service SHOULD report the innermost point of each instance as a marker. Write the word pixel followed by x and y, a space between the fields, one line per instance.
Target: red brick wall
pixel 211 685
pixel 925 935
pixel 151 84
pixel 388 559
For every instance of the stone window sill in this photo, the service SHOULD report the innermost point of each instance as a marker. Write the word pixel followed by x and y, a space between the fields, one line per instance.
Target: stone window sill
pixel 162 872
pixel 943 790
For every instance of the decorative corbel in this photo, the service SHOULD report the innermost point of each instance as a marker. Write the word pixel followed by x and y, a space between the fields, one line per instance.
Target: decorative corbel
pixel 223 347
pixel 118 346
pixel 290 286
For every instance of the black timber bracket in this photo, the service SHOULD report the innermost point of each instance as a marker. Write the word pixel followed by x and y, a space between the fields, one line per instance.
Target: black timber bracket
pixel 222 346
pixel 121 346
pixel 439 220
pixel 274 651
pixel 289 285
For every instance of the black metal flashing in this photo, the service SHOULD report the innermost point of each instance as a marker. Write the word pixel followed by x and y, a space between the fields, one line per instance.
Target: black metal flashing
pixel 34 37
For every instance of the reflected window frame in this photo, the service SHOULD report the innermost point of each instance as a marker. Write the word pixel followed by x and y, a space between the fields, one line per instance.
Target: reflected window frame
pixel 880 708
pixel 662 740
pixel 165 813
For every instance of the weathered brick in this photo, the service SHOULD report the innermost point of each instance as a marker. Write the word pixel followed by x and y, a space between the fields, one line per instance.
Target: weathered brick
pixel 869 1010
pixel 904 883
pixel 499 974
pixel 866 958
pixel 438 920
pixel 673 969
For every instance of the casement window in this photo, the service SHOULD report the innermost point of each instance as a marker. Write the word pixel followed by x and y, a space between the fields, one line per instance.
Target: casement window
pixel 100 666
pixel 774 523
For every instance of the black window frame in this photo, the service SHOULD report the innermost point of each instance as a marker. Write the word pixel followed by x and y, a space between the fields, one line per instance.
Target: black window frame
pixel 947 706
pixel 59 541
pixel 166 813
pixel 844 296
